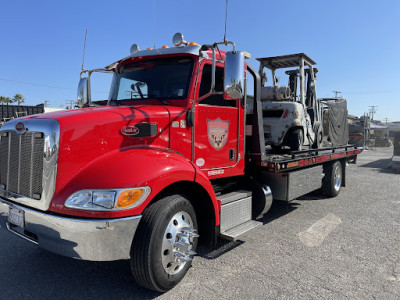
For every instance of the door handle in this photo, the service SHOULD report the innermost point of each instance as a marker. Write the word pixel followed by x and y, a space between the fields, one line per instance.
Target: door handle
pixel 231 154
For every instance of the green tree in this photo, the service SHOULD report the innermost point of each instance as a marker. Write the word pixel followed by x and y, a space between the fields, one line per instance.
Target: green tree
pixel 5 100
pixel 18 98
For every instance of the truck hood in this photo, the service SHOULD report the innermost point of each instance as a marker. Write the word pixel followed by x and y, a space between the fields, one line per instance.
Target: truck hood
pixel 87 134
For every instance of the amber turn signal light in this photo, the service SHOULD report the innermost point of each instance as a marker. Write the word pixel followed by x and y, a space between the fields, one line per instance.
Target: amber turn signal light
pixel 128 198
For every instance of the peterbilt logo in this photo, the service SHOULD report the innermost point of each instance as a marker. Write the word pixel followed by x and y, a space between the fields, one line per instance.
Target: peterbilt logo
pixel 217 131
pixel 20 127
pixel 130 130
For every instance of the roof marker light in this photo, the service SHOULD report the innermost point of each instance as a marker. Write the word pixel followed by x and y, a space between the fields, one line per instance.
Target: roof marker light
pixel 165 46
pixel 246 54
pixel 193 44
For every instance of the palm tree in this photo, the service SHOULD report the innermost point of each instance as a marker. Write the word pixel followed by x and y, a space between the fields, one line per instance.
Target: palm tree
pixel 6 100
pixel 19 99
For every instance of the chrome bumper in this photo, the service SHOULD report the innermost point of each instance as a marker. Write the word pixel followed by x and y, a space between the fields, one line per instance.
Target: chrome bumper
pixel 96 240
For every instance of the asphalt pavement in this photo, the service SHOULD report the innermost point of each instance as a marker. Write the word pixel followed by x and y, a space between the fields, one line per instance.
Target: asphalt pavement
pixel 310 248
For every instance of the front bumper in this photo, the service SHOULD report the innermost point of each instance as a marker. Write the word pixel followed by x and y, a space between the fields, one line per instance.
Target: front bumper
pixel 87 239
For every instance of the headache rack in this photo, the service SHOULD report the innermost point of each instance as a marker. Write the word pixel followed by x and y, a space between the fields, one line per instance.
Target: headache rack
pixel 285 61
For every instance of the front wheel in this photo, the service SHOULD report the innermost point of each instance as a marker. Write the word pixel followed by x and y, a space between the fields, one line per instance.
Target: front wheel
pixel 319 136
pixel 296 140
pixel 164 243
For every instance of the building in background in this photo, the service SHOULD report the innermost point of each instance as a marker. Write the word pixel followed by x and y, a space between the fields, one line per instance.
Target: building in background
pixel 9 111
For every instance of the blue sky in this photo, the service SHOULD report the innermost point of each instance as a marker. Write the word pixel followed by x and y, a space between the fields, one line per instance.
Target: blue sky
pixel 355 43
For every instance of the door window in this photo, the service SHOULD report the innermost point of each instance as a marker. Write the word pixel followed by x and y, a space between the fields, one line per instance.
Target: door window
pixel 205 87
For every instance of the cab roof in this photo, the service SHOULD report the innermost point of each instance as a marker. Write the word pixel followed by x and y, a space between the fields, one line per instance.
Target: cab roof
pixel 193 50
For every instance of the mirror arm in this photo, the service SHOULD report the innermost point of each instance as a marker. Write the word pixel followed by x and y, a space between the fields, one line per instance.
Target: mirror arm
pixel 190 113
pixel 226 43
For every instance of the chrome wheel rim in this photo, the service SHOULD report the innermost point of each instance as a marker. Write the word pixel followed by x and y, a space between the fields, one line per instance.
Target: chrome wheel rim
pixel 337 178
pixel 177 243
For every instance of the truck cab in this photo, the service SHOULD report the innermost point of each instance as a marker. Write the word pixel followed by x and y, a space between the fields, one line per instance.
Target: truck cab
pixel 78 182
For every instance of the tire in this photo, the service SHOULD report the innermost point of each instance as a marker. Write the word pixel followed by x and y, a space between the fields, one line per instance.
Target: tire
pixel 319 137
pixel 332 181
pixel 296 140
pixel 167 227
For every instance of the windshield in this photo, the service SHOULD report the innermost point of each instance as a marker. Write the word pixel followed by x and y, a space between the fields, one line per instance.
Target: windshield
pixel 159 79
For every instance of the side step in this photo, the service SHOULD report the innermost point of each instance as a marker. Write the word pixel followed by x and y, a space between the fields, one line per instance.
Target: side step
pixel 236 214
pixel 238 231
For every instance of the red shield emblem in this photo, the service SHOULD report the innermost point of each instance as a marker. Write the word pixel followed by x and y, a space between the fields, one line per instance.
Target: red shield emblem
pixel 217 131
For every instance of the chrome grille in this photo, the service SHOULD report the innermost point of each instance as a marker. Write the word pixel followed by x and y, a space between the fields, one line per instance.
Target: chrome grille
pixel 21 161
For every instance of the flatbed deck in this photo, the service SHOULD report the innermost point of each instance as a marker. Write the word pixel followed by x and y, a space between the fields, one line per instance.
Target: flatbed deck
pixel 287 160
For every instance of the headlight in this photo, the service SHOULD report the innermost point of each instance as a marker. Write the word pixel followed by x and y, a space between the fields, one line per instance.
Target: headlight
pixel 116 199
pixel 104 199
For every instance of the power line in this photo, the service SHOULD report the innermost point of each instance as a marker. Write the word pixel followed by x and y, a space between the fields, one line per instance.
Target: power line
pixel 45 85
pixel 37 84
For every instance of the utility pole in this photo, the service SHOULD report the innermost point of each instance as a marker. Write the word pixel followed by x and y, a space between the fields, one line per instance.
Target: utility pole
pixel 366 129
pixel 372 111
pixel 386 119
pixel 336 93
pixel 46 103
pixel 69 104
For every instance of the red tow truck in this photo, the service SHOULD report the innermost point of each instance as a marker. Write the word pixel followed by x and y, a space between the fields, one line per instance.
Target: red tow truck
pixel 173 156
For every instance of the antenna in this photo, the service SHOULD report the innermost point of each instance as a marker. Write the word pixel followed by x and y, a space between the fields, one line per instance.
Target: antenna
pixel 226 17
pixel 154 22
pixel 84 47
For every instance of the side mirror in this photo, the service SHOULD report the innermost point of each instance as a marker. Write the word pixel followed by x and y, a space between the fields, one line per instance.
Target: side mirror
pixel 234 75
pixel 190 117
pixel 83 97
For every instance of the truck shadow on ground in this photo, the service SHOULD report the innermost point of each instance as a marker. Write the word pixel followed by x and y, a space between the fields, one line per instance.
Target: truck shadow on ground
pixel 313 196
pixel 38 274
pixel 278 209
pixel 382 164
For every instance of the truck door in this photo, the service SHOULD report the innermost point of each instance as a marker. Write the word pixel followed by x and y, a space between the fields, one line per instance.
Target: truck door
pixel 216 142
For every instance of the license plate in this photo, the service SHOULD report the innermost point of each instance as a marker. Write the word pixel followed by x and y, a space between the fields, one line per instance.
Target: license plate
pixel 16 217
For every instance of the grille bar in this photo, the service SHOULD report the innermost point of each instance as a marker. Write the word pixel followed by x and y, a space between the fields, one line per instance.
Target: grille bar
pixel 21 163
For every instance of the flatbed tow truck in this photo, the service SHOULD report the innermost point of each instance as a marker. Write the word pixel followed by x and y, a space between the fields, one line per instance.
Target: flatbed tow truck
pixel 170 158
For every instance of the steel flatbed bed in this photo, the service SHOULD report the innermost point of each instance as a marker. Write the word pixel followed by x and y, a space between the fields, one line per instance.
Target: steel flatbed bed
pixel 285 161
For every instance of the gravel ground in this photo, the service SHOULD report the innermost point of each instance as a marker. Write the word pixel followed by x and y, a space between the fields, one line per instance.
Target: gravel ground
pixel 311 248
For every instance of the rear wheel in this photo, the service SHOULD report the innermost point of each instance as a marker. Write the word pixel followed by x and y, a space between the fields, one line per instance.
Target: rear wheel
pixel 296 140
pixel 332 181
pixel 164 243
